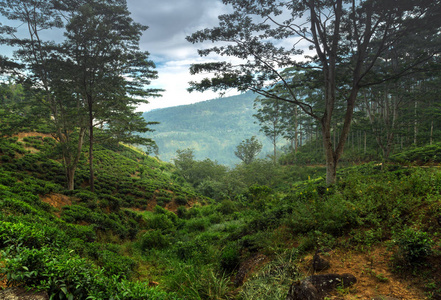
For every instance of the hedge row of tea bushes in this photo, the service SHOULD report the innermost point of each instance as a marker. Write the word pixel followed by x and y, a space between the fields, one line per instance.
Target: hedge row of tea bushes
pixel 82 250
pixel 425 154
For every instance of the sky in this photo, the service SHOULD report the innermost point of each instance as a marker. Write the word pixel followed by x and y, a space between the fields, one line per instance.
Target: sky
pixel 170 21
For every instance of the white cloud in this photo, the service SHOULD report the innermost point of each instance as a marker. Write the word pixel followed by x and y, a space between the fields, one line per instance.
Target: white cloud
pixel 174 77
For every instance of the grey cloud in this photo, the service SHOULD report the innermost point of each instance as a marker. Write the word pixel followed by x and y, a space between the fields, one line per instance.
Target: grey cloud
pixel 170 21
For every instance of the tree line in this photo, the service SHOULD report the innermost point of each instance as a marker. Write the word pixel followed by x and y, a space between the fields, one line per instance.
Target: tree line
pixel 350 48
pixel 92 78
pixel 389 116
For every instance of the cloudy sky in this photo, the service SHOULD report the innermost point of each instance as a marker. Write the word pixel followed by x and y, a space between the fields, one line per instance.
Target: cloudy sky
pixel 170 21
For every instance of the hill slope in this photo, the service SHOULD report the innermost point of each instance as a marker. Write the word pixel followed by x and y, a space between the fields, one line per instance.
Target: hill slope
pixel 381 225
pixel 212 128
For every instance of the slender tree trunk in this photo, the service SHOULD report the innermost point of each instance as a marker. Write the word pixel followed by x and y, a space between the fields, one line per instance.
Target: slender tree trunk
pixel 70 175
pixel 296 132
pixel 275 149
pixel 365 142
pixel 71 159
pixel 415 127
pixel 91 177
pixel 431 132
pixel 331 163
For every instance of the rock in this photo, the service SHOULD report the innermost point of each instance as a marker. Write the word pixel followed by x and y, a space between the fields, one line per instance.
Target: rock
pixel 319 263
pixel 316 286
pixel 16 293
pixel 303 291
pixel 246 267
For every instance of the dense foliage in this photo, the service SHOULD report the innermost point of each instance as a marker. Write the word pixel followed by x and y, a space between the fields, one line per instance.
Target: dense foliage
pixel 347 46
pixel 133 227
pixel 145 223
pixel 53 249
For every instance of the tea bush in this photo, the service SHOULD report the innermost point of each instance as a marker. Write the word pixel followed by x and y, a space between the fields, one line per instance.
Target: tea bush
pixel 196 224
pixel 160 222
pixel 116 264
pixel 153 239
pixel 413 245
pixel 64 275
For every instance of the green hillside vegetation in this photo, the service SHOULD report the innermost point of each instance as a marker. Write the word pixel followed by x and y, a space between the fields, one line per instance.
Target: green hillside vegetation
pixel 212 128
pixel 148 224
pixel 53 247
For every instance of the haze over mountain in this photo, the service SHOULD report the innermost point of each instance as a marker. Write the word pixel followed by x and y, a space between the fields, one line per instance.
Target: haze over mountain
pixel 212 128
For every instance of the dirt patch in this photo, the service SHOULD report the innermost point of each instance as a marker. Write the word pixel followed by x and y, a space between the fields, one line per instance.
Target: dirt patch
pixel 151 204
pixel 22 135
pixel 2 281
pixel 57 200
pixel 372 269
pixel 172 206
pixel 137 175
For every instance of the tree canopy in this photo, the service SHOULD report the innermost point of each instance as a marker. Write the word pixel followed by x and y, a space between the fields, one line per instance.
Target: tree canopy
pixel 95 77
pixel 347 45
pixel 248 149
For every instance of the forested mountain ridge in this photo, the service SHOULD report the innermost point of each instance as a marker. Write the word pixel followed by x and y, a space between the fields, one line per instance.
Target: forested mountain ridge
pixel 212 128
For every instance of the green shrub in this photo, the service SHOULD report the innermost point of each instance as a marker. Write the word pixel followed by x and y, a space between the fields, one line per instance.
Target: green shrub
pixel 85 196
pixel 153 239
pixel 160 222
pixel 227 207
pixel 64 275
pixel 162 211
pixel 195 250
pixel 413 245
pixel 181 200
pixel 30 235
pixel 181 212
pixel 196 224
pixel 230 258
pixel 116 264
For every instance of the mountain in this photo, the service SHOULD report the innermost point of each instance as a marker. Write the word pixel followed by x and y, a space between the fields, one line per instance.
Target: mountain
pixel 212 128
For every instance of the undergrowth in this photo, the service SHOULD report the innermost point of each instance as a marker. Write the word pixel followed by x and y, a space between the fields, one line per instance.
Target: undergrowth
pixel 107 244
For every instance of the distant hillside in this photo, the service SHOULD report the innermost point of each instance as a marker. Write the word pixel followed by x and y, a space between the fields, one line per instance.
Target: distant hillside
pixel 212 128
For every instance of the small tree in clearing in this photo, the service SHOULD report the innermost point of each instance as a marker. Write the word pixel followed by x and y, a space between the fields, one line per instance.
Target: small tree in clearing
pixel 248 149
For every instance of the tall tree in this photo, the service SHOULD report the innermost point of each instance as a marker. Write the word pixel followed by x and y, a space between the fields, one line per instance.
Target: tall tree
pixel 40 71
pixel 269 115
pixel 346 38
pixel 109 70
pixel 95 77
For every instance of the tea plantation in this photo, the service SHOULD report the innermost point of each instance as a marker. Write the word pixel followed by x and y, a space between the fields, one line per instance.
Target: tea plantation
pixel 145 233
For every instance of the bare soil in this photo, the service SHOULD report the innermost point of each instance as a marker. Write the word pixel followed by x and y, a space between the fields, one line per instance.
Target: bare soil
pixel 57 200
pixel 374 273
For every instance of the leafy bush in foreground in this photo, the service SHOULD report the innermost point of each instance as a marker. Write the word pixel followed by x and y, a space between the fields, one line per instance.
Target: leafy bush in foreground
pixel 64 275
